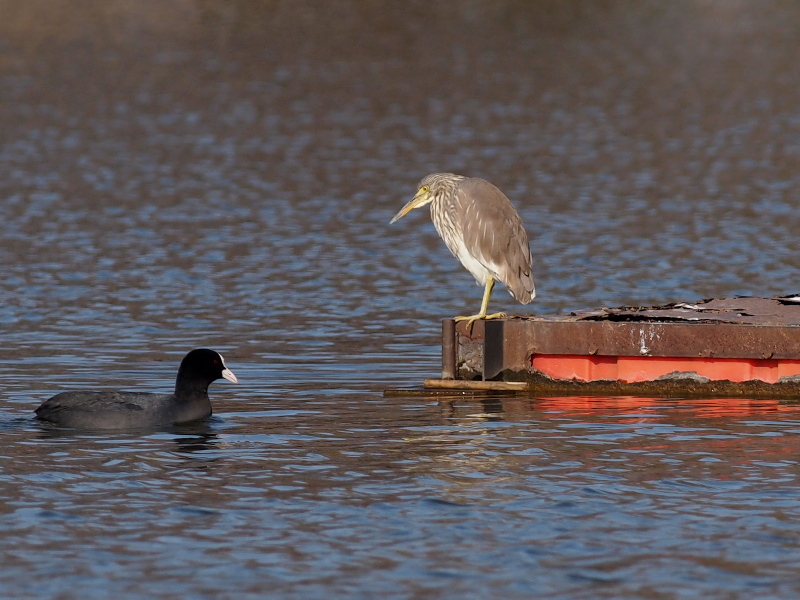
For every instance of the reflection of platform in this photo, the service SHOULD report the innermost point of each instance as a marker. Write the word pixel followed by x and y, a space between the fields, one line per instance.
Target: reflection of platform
pixel 734 346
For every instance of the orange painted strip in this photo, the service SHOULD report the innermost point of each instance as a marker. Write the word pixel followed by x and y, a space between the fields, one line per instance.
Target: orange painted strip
pixel 631 369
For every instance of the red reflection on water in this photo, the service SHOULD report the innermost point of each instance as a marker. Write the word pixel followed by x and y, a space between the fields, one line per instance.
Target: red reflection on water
pixel 609 405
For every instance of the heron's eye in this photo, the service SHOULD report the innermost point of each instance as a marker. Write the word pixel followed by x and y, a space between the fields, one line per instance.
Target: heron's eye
pixel 425 189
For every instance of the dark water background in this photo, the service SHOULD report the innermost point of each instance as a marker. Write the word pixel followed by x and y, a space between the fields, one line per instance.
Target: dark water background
pixel 188 173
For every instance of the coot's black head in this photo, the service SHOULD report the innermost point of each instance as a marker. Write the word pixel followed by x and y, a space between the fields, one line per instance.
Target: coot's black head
pixel 200 367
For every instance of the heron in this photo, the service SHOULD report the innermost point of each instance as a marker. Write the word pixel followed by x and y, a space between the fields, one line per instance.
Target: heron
pixel 481 229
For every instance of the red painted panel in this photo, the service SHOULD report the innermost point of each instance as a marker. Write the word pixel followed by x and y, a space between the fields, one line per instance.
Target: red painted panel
pixel 630 369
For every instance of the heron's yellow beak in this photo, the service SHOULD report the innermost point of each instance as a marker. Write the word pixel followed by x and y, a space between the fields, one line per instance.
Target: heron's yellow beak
pixel 417 200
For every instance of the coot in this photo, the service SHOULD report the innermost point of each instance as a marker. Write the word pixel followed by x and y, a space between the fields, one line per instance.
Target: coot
pixel 120 410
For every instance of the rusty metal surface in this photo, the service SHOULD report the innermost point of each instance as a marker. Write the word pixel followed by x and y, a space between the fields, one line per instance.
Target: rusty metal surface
pixel 745 328
pixel 469 350
pixel 605 338
pixel 492 386
pixel 780 311
pixel 448 349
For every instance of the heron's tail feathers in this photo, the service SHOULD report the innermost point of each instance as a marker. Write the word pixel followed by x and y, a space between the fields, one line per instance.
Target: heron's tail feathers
pixel 521 287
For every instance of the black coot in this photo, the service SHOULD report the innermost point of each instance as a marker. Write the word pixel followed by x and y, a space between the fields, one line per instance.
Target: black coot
pixel 120 410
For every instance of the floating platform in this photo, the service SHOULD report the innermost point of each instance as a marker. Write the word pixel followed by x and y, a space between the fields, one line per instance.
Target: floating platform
pixel 738 347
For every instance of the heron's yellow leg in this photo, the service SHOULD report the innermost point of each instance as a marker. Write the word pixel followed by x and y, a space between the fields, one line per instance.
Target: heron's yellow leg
pixel 487 293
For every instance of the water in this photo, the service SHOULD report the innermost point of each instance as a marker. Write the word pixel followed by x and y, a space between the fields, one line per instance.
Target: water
pixel 222 175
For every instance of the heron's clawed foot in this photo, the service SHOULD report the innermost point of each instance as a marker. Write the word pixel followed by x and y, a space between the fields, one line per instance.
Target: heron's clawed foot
pixel 470 320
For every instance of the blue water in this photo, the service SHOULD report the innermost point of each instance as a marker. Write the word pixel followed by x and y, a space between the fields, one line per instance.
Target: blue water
pixel 222 175
pixel 351 494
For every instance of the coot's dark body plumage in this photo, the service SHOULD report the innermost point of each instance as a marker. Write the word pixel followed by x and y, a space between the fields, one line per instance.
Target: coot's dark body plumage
pixel 125 410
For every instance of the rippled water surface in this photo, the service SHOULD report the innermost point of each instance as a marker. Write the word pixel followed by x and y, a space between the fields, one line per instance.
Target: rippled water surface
pixel 184 174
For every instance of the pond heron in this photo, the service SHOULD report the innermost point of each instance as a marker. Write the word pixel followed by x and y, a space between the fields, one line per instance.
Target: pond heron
pixel 482 229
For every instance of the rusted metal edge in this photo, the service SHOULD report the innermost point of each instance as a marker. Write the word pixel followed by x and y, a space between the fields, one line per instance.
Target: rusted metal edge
pixel 462 384
pixel 515 340
pixel 539 386
pixel 448 349
pixel 446 392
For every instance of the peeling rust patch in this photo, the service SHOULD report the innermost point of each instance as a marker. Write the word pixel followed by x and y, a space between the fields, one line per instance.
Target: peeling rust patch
pixel 779 310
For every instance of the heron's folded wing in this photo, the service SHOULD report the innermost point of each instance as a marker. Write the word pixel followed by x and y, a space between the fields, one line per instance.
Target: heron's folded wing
pixel 494 233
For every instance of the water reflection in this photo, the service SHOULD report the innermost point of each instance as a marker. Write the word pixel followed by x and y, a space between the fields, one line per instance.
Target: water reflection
pixel 509 406
pixel 196 442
